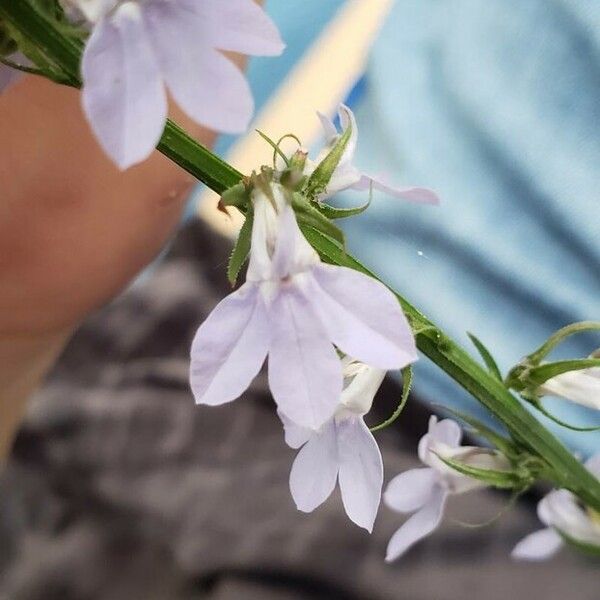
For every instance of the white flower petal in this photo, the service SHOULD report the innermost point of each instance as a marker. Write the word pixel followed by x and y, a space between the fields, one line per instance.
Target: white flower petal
pixel 561 510
pixel 123 94
pixel 581 387
pixel 315 469
pixel 359 392
pixel 204 83
pixel 412 194
pixel 361 471
pixel 363 317
pixel 420 525
pixel 293 254
pixel 230 347
pixel 410 490
pixel 295 435
pixel 305 374
pixel 236 25
pixel 539 545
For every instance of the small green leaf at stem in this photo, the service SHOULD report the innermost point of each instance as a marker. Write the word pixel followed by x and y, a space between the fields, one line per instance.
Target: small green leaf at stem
pixel 487 357
pixel 407 376
pixel 241 250
pixel 499 479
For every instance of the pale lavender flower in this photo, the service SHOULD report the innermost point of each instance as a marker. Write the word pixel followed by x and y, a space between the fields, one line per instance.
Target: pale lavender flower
pixel 343 450
pixel 139 49
pixel 347 176
pixel 293 308
pixel 426 490
pixel 562 514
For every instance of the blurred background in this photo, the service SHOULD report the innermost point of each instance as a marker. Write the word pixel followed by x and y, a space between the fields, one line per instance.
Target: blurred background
pixel 119 487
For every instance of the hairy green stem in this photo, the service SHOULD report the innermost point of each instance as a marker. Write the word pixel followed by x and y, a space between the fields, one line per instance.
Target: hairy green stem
pixel 563 469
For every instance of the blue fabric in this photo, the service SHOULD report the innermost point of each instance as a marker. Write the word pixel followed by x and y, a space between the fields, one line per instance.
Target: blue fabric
pixel 496 105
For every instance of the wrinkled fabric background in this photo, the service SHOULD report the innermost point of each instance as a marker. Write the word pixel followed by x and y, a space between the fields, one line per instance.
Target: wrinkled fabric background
pixel 120 488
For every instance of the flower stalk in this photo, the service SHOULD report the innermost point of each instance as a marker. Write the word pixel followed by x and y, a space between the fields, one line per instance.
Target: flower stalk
pixel 560 467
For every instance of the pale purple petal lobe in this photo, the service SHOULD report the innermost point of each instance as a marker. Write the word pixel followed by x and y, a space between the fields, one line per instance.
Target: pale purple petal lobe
pixel 295 435
pixel 363 317
pixel 236 25
pixel 315 470
pixel 204 83
pixel 305 374
pixel 123 95
pixel 361 471
pixel 410 490
pixel 230 347
pixel 419 195
pixel 537 546
pixel 420 525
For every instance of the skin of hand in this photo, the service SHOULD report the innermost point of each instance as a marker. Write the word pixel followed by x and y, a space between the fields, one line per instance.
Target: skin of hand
pixel 74 230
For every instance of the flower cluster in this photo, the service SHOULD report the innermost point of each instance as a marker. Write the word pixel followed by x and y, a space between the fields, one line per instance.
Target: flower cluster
pixel 303 314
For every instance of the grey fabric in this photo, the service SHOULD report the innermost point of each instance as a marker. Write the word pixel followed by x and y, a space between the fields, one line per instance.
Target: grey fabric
pixel 120 488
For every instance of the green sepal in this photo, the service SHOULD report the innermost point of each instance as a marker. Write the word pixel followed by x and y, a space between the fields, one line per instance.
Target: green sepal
pixel 487 357
pixel 407 377
pixel 556 338
pixel 536 376
pixel 241 250
pixel 331 212
pixel 588 549
pixel 499 479
pixel 535 401
pixel 317 182
pixel 307 214
pixel 237 195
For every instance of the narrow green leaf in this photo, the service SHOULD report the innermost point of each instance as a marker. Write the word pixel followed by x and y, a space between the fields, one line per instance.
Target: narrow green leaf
pixel 331 212
pixel 407 376
pixel 560 422
pixel 317 182
pixel 559 336
pixel 241 250
pixel 499 479
pixel 276 149
pixel 539 375
pixel 487 357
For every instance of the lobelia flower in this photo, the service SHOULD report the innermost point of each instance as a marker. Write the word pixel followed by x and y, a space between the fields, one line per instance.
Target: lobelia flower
pixel 564 516
pixel 581 387
pixel 426 490
pixel 293 308
pixel 140 48
pixel 347 176
pixel 343 450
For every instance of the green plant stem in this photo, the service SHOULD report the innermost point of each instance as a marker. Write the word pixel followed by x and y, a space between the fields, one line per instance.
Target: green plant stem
pixel 563 469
